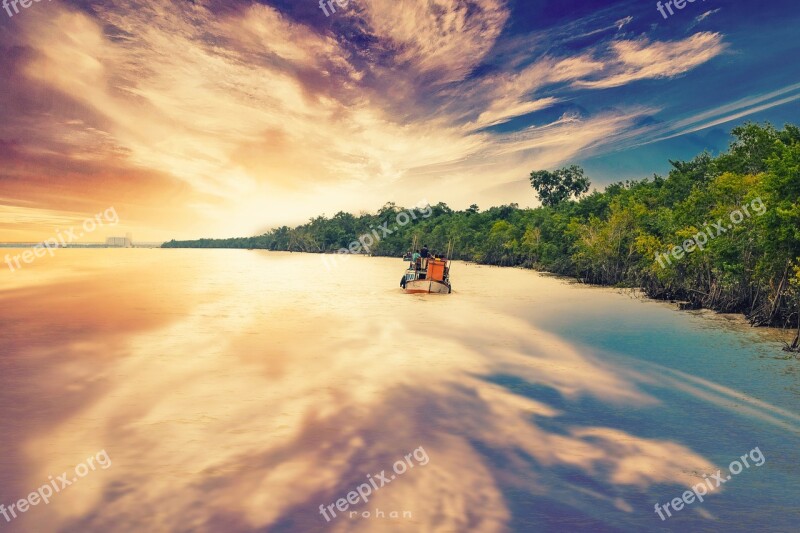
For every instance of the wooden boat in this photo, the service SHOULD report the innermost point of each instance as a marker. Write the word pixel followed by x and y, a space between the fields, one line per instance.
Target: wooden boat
pixel 427 275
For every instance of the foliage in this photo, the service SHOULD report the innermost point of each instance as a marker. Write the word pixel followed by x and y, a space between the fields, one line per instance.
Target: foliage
pixel 559 185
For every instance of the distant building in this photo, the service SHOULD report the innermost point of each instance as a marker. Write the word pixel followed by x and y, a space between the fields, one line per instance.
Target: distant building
pixel 119 242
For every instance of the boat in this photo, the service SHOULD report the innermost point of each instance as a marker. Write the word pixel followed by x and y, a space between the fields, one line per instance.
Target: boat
pixel 427 275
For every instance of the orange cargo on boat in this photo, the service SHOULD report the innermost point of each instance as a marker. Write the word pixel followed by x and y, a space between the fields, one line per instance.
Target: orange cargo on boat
pixel 436 269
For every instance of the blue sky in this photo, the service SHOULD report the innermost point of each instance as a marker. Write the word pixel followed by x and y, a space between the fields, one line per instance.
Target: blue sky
pixel 219 118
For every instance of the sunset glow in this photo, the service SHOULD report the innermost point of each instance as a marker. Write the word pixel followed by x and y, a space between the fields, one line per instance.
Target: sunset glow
pixel 214 118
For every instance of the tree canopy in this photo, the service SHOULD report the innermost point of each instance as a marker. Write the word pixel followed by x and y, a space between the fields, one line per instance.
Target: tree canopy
pixel 559 185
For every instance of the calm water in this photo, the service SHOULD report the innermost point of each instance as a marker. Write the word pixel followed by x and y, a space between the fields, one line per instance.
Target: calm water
pixel 239 391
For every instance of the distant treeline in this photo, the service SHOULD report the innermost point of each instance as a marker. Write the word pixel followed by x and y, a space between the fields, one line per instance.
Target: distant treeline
pixel 614 237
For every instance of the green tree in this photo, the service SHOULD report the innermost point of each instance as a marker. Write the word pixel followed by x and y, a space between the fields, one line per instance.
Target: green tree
pixel 559 185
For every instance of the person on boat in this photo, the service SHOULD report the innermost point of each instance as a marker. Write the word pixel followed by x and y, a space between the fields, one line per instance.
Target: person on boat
pixel 424 252
pixel 415 260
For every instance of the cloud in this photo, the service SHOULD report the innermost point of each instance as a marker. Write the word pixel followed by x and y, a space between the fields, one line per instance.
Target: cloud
pixel 707 14
pixel 245 103
pixel 623 22
pixel 633 60
pixel 712 117
pixel 445 37
pixel 508 95
pixel 248 117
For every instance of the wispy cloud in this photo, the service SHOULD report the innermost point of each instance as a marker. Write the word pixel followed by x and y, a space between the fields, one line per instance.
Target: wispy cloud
pixel 641 59
pixel 707 14
pixel 714 117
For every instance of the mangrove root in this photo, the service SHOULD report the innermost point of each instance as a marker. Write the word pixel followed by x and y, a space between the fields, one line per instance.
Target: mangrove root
pixel 794 347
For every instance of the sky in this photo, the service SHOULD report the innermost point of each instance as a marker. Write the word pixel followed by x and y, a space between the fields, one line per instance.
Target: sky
pixel 211 118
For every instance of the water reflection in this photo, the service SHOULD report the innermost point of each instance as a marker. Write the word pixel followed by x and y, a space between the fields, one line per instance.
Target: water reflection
pixel 238 391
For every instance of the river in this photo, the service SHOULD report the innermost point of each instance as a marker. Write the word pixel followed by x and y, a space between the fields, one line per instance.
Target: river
pixel 234 390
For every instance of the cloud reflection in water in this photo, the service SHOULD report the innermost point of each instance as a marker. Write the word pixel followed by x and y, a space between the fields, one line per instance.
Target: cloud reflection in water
pixel 239 391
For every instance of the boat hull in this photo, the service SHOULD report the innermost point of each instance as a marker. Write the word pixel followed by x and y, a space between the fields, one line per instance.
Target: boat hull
pixel 426 286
